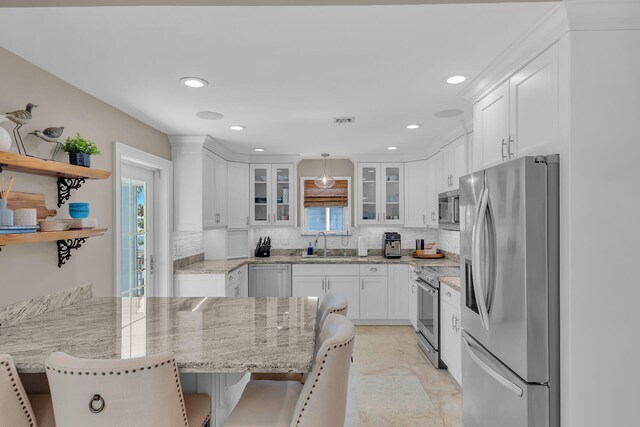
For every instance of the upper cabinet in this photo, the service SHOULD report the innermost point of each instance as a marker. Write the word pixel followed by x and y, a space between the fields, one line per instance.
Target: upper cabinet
pixel 381 193
pixel 200 186
pixel 272 198
pixel 421 193
pixel 451 165
pixel 214 196
pixel 519 117
pixel 238 195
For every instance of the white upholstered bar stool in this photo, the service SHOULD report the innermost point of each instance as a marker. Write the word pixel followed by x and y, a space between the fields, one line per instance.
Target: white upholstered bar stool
pixel 17 409
pixel 320 401
pixel 331 303
pixel 141 392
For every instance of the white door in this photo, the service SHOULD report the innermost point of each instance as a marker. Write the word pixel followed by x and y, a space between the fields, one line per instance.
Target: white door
pixel 369 193
pixel 458 161
pixel 413 304
pixel 398 292
pixel 442 171
pixel 392 193
pixel 347 286
pixel 138 256
pixel 238 195
pixel 308 286
pixel 415 200
pixel 448 335
pixel 373 297
pixel 491 128
pixel 534 106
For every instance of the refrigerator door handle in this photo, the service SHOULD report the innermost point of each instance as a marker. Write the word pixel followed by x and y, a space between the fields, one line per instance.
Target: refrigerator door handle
pixel 495 375
pixel 478 286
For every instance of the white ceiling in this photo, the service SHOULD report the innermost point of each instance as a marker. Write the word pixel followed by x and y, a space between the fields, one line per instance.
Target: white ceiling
pixel 284 72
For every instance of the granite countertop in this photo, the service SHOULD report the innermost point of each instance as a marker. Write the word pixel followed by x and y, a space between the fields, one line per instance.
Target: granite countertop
pixel 207 335
pixel 225 266
pixel 454 282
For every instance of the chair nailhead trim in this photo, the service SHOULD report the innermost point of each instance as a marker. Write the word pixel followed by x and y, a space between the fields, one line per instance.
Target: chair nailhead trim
pixel 16 390
pixel 132 371
pixel 345 344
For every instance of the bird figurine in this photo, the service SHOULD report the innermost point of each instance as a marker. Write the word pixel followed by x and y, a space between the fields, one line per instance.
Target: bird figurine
pixel 50 135
pixel 20 118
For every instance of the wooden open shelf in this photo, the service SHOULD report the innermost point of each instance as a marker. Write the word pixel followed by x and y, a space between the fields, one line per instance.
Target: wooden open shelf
pixel 49 236
pixel 24 164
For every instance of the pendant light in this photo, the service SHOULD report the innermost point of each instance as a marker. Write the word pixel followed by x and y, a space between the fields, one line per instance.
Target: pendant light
pixel 325 180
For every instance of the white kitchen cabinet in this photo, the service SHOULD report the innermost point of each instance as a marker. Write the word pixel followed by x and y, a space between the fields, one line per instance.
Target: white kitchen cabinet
pixel 431 187
pixel 519 117
pixel 451 165
pixel 416 197
pixel 398 292
pixel 308 286
pixel 272 194
pixel 346 286
pixel 451 338
pixel 238 195
pixel 381 193
pixel 199 285
pixel 373 297
pixel 214 190
pixel 413 304
pixel 237 282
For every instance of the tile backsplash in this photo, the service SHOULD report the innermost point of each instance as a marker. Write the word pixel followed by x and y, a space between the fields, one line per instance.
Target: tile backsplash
pixel 290 238
pixel 187 243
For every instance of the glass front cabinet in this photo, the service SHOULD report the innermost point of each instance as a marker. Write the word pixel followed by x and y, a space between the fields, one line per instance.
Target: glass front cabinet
pixel 381 192
pixel 272 194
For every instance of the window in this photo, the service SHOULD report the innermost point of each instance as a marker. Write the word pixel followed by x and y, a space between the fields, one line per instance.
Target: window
pixel 326 209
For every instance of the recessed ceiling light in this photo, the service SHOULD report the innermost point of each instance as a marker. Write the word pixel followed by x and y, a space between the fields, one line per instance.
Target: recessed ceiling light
pixel 392 148
pixel 454 80
pixel 416 126
pixel 194 82
pixel 209 115
pixel 259 150
pixel 238 127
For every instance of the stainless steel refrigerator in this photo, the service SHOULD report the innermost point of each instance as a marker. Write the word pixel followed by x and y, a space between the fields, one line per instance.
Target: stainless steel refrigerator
pixel 509 237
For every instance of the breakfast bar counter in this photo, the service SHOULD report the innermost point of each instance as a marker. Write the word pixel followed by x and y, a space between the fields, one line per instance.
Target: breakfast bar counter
pixel 207 335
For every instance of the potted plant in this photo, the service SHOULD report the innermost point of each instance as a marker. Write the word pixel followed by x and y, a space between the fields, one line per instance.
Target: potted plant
pixel 80 150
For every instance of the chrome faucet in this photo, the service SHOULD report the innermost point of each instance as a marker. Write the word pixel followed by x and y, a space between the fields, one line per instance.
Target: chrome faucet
pixel 325 241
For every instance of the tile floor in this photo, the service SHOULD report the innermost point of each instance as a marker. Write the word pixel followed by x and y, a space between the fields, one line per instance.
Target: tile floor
pixel 393 384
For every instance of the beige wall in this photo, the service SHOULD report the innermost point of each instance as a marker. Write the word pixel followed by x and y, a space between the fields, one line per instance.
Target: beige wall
pixel 335 167
pixel 31 270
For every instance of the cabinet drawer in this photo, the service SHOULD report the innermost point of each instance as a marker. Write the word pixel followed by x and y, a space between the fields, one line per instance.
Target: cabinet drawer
pixel 373 269
pixel 450 295
pixel 325 270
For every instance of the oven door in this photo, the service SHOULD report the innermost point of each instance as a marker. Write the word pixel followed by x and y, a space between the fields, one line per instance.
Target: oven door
pixel 428 316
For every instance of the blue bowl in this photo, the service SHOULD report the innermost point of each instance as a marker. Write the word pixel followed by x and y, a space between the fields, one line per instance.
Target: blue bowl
pixel 79 210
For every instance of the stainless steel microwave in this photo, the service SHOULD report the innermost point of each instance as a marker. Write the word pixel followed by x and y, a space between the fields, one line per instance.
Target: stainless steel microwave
pixel 449 210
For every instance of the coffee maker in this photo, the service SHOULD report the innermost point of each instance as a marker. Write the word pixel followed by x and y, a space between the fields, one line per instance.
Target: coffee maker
pixel 391 245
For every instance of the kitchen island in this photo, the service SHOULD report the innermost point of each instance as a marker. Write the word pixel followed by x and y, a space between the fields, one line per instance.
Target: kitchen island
pixel 216 341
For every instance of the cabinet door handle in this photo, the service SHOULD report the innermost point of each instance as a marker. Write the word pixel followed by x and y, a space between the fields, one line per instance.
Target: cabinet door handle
pixel 433 216
pixel 323 284
pixel 374 269
pixel 424 219
pixel 448 294
pixel 511 141
pixel 230 278
pixel 328 284
pixel 237 293
pixel 504 144
pixel 362 284
pixel 453 322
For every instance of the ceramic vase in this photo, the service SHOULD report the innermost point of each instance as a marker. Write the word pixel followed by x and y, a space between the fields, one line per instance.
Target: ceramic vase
pixel 6 215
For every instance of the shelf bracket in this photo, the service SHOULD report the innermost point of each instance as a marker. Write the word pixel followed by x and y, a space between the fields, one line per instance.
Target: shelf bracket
pixel 65 247
pixel 65 185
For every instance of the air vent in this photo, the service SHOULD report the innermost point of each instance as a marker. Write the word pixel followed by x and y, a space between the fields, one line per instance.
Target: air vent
pixel 344 120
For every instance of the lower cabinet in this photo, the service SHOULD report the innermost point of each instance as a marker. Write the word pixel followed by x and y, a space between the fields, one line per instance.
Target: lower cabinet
pixel 232 284
pixel 413 300
pixel 450 338
pixel 398 292
pixel 318 286
pixel 373 297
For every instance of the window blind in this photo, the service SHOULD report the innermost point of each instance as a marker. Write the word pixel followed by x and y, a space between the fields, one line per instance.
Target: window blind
pixel 315 197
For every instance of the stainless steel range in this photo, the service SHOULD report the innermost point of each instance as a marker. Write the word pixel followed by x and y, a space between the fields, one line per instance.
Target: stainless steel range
pixel 428 332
